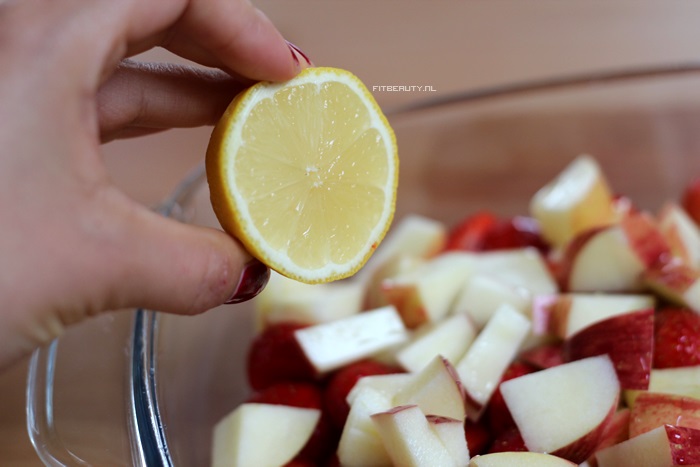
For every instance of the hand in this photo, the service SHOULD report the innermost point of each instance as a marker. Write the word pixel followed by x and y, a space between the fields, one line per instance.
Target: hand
pixel 71 244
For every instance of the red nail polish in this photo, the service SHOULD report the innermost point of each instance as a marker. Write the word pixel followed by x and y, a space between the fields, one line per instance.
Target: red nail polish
pixel 253 280
pixel 294 47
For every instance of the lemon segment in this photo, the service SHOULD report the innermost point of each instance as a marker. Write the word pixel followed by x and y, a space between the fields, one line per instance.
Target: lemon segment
pixel 304 173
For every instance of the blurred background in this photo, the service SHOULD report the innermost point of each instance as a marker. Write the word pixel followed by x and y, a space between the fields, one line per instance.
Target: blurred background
pixel 447 45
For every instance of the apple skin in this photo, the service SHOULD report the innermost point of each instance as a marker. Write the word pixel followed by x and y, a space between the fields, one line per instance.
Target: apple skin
pixel 629 341
pixel 581 449
pixel 616 432
pixel 676 282
pixel 544 356
pixel 651 410
pixel 666 445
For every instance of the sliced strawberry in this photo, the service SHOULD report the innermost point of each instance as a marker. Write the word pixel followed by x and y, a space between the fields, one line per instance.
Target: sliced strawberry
pixel 676 338
pixel 343 380
pixel 478 437
pixel 275 356
pixel 498 417
pixel 508 441
pixel 691 200
pixel 306 395
pixel 471 233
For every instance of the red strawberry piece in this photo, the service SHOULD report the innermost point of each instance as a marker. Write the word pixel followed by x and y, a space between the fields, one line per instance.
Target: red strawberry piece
pixel 471 233
pixel 478 437
pixel 508 441
pixel 517 232
pixel 691 200
pixel 324 439
pixel 498 417
pixel 343 380
pixel 275 356
pixel 676 338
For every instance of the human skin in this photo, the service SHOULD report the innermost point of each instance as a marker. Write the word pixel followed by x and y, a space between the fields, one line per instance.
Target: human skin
pixel 72 245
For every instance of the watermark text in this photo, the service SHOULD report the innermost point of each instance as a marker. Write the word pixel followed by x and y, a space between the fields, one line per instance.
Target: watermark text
pixel 403 88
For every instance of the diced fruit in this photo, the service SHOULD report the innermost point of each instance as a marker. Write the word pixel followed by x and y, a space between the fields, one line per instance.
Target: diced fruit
pixel 483 294
pixel 628 340
pixel 616 432
pixel 543 356
pixel 508 440
pixel 664 446
pixel 472 232
pixel 425 294
pixel 651 410
pixel 450 432
pixel 577 200
pixel 493 350
pixel 341 383
pixel 614 258
pixel 676 282
pixel 566 314
pixel 522 268
pixel 478 436
pixel 677 338
pixel 262 434
pixel 683 381
pixel 520 459
pixel 329 346
pixel 275 356
pixel 516 232
pixel 409 438
pixel 437 390
pixel 304 395
pixel 681 233
pixel 395 266
pixel 559 411
pixel 285 300
pixel 388 384
pixel 450 338
pixel 360 444
pixel 691 200
pixel 498 416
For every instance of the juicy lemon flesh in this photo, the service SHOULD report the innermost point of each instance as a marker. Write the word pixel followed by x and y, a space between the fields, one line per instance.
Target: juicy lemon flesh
pixel 315 182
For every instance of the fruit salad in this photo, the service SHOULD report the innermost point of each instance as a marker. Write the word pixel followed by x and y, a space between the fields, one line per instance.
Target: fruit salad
pixel 567 336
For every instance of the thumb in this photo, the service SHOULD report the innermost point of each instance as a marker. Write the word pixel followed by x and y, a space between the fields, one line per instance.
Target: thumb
pixel 174 267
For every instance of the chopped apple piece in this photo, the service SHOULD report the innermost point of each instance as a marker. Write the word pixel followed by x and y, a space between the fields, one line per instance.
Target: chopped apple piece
pixel 285 300
pixel 519 459
pixel 426 293
pixel 566 314
pixel 414 235
pixel 388 385
pixel 451 433
pixel 682 381
pixel 564 410
pixel 651 410
pixel 520 268
pixel 409 438
pixel 482 367
pixel 262 435
pixel 664 446
pixel 395 266
pixel 329 346
pixel 450 338
pixel 676 282
pixel 437 390
pixel 483 294
pixel 578 199
pixel 681 233
pixel 629 341
pixel 360 444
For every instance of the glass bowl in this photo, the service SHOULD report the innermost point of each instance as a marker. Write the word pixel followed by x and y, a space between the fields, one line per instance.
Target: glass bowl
pixel 146 388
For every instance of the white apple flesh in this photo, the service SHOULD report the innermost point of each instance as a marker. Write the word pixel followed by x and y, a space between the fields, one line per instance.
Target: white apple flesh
pixel 664 446
pixel 564 410
pixel 263 435
pixel 519 459
pixel 329 346
pixel 651 410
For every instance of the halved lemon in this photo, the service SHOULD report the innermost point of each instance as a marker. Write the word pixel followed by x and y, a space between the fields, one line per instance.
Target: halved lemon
pixel 304 173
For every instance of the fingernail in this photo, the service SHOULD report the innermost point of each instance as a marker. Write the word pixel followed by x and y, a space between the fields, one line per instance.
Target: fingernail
pixel 253 280
pixel 296 50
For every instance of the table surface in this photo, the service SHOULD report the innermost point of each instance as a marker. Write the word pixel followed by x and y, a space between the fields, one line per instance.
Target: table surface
pixel 447 45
